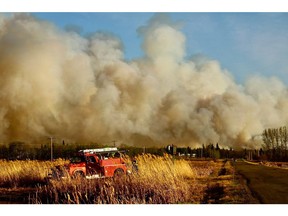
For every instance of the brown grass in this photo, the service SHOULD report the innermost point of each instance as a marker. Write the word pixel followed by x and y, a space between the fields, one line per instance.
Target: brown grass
pixel 159 180
pixel 24 173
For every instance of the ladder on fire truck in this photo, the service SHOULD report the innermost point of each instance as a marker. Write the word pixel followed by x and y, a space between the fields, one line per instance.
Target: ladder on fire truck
pixel 98 150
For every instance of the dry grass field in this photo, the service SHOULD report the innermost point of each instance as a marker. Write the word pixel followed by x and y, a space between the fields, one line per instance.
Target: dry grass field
pixel 25 173
pixel 160 180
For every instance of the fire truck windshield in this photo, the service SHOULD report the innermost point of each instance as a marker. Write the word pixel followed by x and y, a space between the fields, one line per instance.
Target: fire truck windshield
pixel 77 159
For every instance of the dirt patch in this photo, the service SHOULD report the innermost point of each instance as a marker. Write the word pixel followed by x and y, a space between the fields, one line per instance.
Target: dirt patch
pixel 222 171
pixel 213 194
pixel 227 187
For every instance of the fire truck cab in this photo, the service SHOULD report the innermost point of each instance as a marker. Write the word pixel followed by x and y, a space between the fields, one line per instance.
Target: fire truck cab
pixel 94 163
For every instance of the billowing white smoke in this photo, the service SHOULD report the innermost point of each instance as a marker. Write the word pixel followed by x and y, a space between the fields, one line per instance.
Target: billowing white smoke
pixel 81 89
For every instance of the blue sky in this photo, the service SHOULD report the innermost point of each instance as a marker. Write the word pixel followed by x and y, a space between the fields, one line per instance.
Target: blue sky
pixel 244 43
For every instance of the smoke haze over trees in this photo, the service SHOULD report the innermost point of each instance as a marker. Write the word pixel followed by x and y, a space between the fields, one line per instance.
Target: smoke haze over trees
pixel 82 89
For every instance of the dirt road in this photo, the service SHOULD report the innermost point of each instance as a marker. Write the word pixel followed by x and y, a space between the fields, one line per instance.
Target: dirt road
pixel 268 184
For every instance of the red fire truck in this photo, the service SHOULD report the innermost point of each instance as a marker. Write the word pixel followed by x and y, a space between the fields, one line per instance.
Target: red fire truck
pixel 93 163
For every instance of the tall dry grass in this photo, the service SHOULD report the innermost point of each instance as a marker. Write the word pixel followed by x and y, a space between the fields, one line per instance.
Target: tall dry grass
pixel 25 173
pixel 158 180
pixel 163 169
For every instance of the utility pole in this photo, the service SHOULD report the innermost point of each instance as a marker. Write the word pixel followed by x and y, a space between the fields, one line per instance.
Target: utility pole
pixel 51 143
pixel 114 143
pixel 234 167
pixel 202 150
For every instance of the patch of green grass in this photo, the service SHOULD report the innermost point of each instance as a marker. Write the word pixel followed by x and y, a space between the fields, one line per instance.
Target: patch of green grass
pixel 270 185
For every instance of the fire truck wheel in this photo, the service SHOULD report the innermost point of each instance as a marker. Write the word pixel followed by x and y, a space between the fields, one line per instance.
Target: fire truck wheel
pixel 78 174
pixel 118 172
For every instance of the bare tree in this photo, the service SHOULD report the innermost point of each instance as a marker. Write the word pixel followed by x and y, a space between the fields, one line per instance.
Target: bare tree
pixel 275 141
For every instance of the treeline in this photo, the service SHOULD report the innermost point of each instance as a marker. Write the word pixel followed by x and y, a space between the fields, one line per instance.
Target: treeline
pixel 275 143
pixel 211 150
pixel 23 151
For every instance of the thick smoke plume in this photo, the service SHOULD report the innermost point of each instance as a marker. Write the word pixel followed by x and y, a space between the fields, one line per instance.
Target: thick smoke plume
pixel 82 89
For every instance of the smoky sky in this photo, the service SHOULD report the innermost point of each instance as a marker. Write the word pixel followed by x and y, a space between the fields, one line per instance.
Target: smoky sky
pixel 81 89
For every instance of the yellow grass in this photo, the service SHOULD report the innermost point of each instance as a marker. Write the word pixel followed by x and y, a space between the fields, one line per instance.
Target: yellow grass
pixel 159 180
pixel 24 173
pixel 163 169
